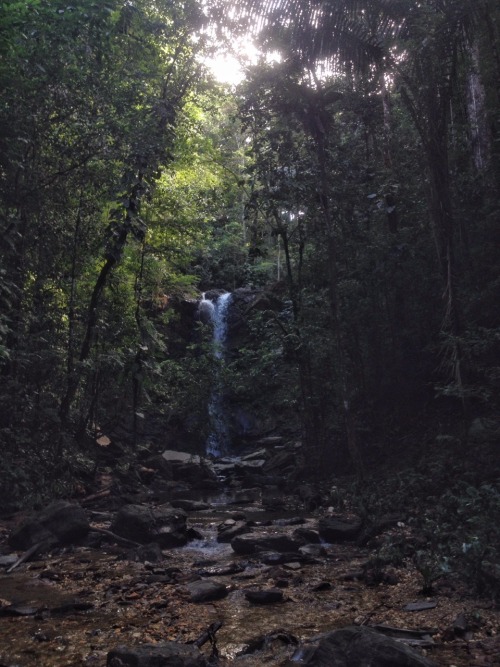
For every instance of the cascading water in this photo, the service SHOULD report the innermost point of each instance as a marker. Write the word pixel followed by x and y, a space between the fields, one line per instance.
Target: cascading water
pixel 218 441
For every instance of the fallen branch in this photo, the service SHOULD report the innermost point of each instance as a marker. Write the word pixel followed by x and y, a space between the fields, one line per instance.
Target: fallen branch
pixel 114 536
pixel 96 496
pixel 26 555
pixel 208 635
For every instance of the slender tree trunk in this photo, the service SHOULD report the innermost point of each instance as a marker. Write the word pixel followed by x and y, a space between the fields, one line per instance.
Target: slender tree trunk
pixel 343 379
pixel 70 361
pixel 138 362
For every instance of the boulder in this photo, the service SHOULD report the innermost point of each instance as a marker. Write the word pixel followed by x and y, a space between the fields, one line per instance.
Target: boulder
pixel 146 553
pixel 357 647
pixel 268 596
pixel 168 654
pixel 280 462
pixel 230 529
pixel 190 505
pixel 190 468
pixel 253 543
pixel 206 591
pixel 313 550
pixel 307 535
pixel 161 465
pixel 257 454
pixel 333 529
pixel 165 525
pixel 246 496
pixel 62 522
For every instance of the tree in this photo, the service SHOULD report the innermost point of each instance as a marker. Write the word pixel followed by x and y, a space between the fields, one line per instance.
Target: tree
pixel 90 102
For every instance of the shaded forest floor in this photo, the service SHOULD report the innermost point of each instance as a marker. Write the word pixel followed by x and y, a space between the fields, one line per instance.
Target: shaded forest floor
pixel 131 605
pixel 73 605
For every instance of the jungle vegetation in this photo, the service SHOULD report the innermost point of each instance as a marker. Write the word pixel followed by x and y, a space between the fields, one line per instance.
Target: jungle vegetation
pixel 353 179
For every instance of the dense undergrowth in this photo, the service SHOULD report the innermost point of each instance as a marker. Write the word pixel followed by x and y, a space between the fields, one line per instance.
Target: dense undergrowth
pixel 448 517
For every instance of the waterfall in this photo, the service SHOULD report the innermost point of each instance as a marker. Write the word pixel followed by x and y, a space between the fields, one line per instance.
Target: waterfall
pixel 218 441
pixel 206 310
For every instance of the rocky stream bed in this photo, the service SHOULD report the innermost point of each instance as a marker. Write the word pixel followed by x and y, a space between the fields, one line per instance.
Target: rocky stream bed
pixel 244 575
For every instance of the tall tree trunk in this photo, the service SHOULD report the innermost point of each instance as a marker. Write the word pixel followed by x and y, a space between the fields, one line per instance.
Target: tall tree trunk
pixel 342 376
pixel 431 118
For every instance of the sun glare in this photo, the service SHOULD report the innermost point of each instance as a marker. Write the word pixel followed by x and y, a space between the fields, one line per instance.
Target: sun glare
pixel 229 66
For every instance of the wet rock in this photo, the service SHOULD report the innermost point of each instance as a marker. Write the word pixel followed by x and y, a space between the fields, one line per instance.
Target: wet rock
pixel 291 521
pixel 322 586
pixel 270 441
pixel 250 544
pixel 61 522
pixel 280 462
pixel 266 641
pixel 246 496
pixel 419 606
pixel 307 535
pixel 310 496
pixel 165 491
pixel 165 525
pixel 160 465
pixel 460 625
pixel 206 591
pixel 146 553
pixel 190 505
pixel 253 465
pixel 333 529
pixel 221 570
pixel 257 454
pixel 8 560
pixel 193 534
pixel 357 647
pixel 269 596
pixel 275 558
pixel 313 550
pixel 294 565
pixel 191 468
pixel 230 529
pixel 157 655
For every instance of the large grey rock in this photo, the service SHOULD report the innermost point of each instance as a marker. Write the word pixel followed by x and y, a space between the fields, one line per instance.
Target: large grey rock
pixel 357 647
pixel 168 654
pixel 205 591
pixel 165 525
pixel 62 522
